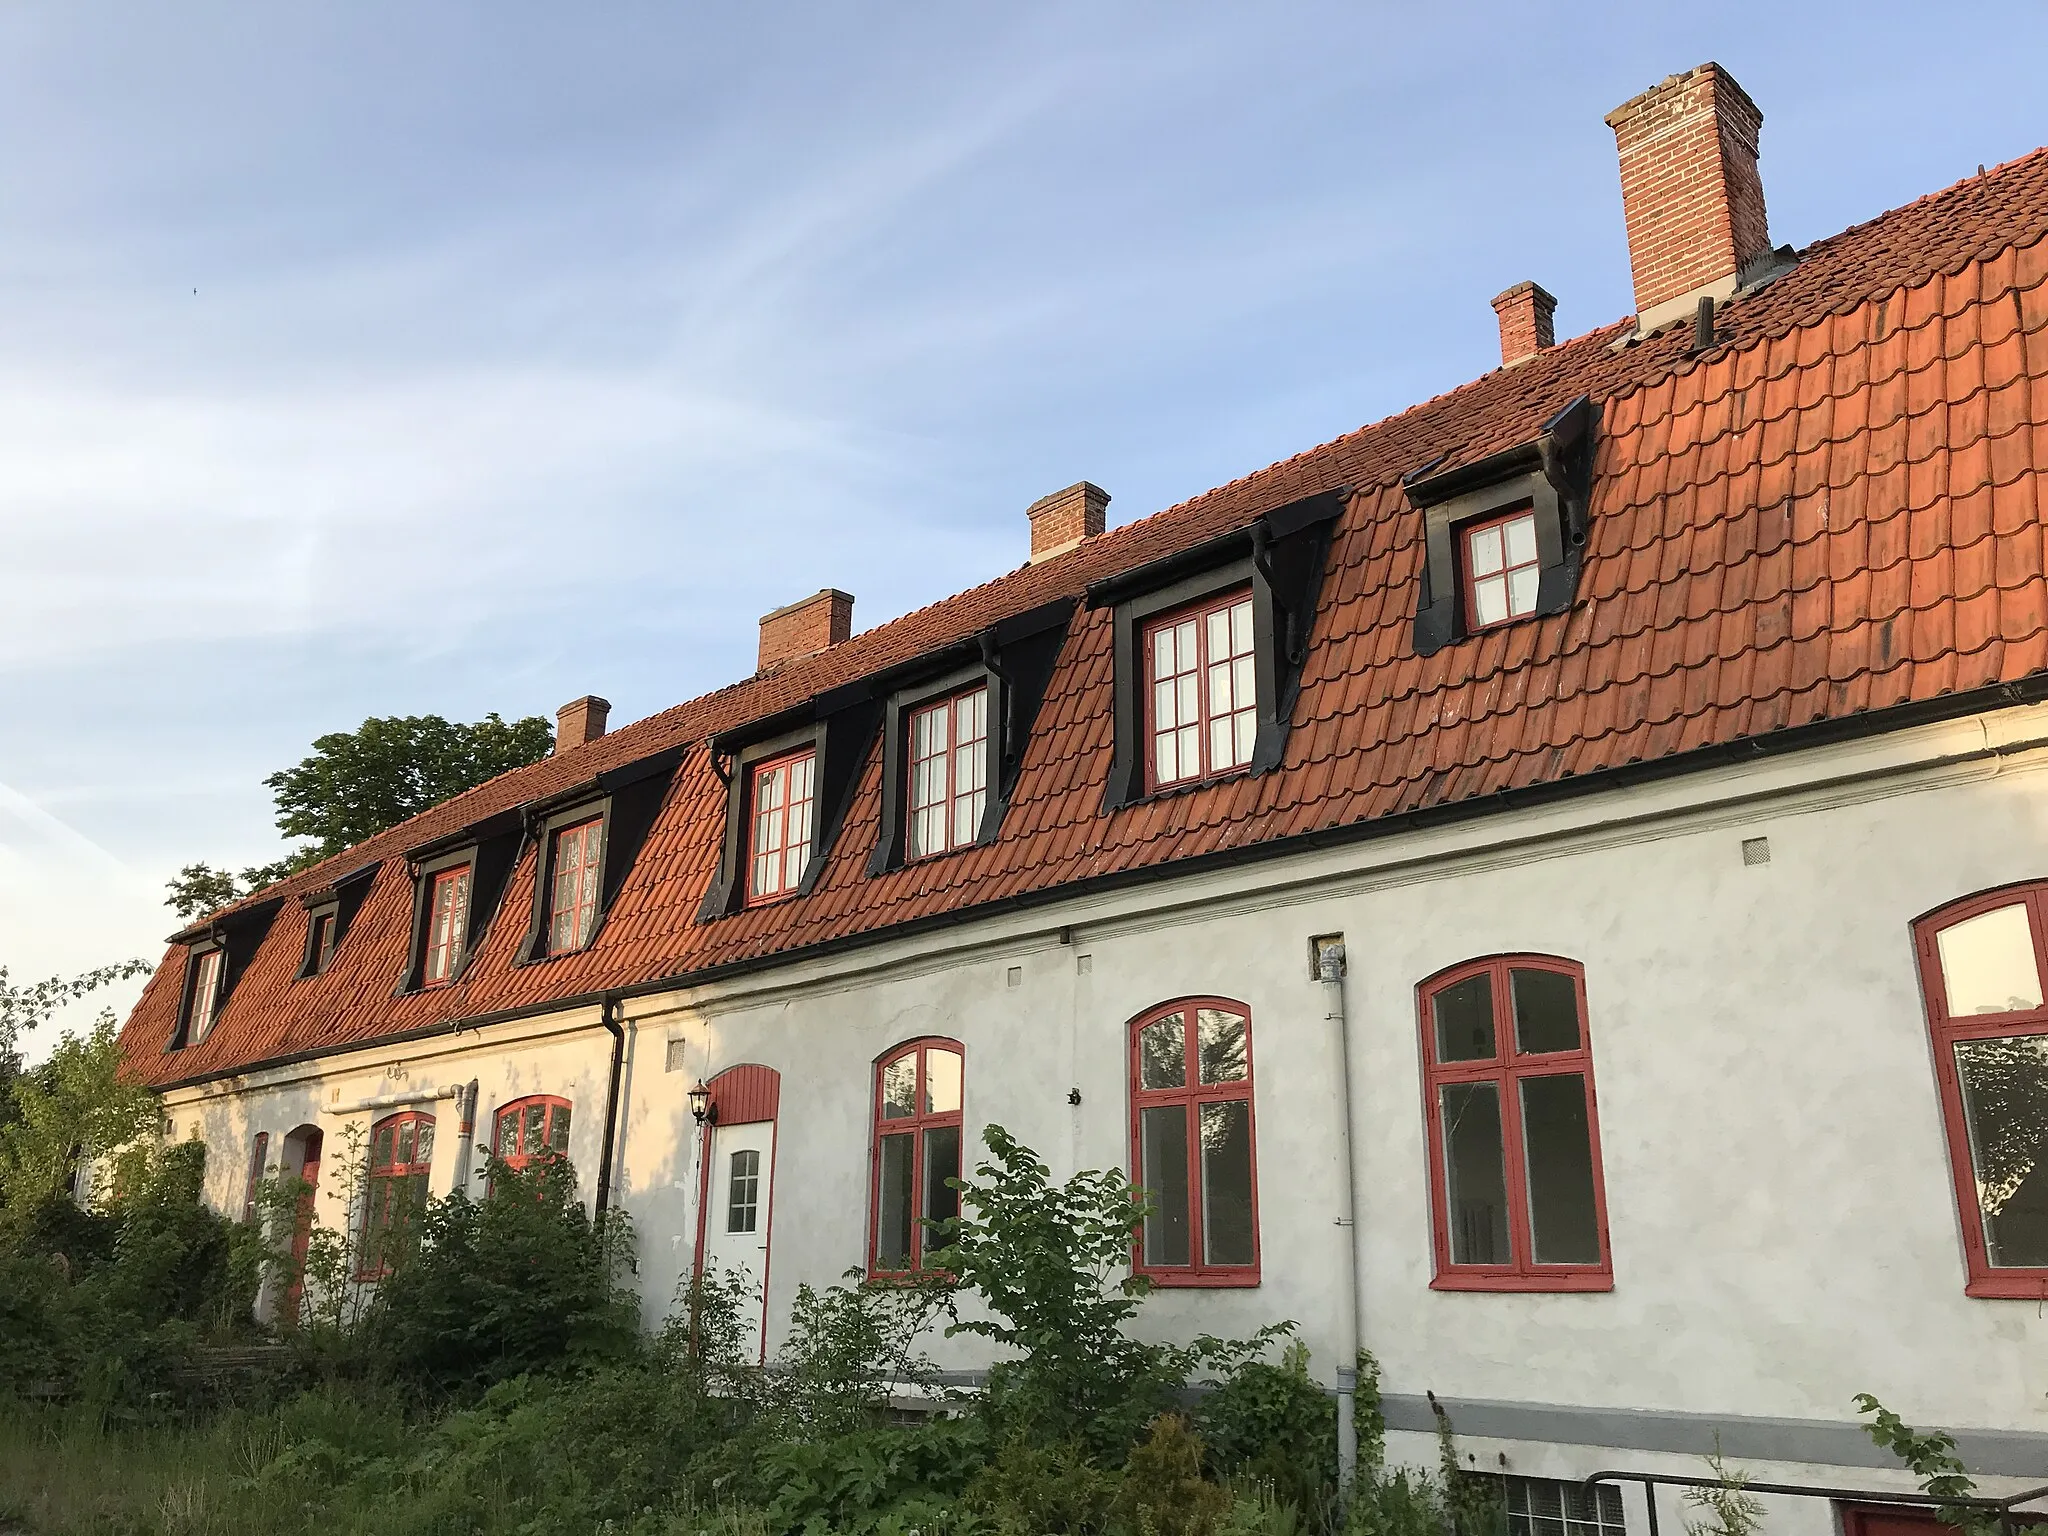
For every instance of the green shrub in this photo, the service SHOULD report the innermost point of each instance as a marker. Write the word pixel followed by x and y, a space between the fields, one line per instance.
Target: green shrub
pixel 1164 1492
pixel 1031 1488
pixel 1276 1425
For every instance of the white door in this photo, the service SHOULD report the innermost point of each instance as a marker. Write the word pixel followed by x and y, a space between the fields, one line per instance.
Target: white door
pixel 736 1225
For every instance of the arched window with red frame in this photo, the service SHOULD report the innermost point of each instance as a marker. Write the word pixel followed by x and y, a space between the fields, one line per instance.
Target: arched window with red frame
pixel 1192 1142
pixel 916 1150
pixel 401 1158
pixel 529 1127
pixel 1516 1195
pixel 1982 963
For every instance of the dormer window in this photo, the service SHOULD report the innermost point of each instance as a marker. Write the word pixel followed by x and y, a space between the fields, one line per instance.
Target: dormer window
pixel 447 918
pixel 1501 568
pixel 203 997
pixel 1203 701
pixel 329 911
pixel 948 773
pixel 781 799
pixel 572 909
pixel 320 943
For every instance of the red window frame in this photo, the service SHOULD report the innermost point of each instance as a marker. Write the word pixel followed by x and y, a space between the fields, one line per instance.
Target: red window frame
pixel 573 862
pixel 320 943
pixel 1471 577
pixel 2024 1282
pixel 949 776
pixel 553 1121
pixel 208 967
pixel 1191 1096
pixel 396 1185
pixel 1508 1068
pixel 773 835
pixel 918 1126
pixel 1197 674
pixel 259 1158
pixel 445 922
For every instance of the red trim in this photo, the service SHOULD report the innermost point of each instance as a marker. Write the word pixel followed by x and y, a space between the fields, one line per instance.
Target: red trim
pixel 1508 1067
pixel 385 1175
pixel 1198 669
pixel 945 758
pixel 1470 581
pixel 1995 1282
pixel 1890 1520
pixel 1192 1094
pixel 585 842
pixel 322 941
pixel 746 1094
pixel 444 939
pixel 557 1114
pixel 310 1144
pixel 204 1003
pixel 916 1126
pixel 781 825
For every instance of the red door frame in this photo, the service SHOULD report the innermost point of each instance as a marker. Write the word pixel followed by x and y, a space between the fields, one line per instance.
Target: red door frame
pixel 745 1094
pixel 302 1222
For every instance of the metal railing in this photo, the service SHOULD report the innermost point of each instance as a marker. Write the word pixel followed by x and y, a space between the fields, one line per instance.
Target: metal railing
pixel 2006 1510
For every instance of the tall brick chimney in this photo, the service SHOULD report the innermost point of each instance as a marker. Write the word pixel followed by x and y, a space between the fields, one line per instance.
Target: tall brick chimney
pixel 1525 327
pixel 1689 190
pixel 580 721
pixel 1065 518
pixel 805 628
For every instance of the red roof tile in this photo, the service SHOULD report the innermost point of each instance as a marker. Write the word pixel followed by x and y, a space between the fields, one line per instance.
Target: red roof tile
pixel 1837 508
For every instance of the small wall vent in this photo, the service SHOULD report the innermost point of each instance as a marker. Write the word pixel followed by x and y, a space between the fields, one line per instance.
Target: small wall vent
pixel 677 1057
pixel 1756 850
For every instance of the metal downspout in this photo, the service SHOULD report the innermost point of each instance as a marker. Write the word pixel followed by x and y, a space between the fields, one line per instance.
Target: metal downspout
pixel 609 1017
pixel 1330 971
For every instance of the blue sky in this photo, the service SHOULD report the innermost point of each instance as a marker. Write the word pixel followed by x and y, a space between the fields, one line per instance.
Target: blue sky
pixel 388 358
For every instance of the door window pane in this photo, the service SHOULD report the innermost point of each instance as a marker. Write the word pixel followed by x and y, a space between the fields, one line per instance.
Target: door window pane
pixel 1475 1176
pixel 1163 1150
pixel 1163 1053
pixel 941 1081
pixel 893 1204
pixel 1227 1182
pixel 2005 1113
pixel 1464 1020
pixel 1221 1046
pixel 743 1199
pixel 1546 1011
pixel 1988 965
pixel 1558 1147
pixel 941 1162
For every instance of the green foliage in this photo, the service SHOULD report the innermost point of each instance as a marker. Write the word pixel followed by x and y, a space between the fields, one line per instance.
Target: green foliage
pixel 75 1105
pixel 1274 1424
pixel 1473 1504
pixel 1163 1491
pixel 1932 1458
pixel 850 1346
pixel 1727 1509
pixel 1401 1502
pixel 1029 1488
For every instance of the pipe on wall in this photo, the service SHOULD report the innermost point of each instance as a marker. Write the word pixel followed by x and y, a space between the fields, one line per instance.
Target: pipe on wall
pixel 609 1017
pixel 1330 969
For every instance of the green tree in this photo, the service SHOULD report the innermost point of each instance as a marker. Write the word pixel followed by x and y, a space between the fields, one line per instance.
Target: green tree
pixel 75 1104
pixel 22 1008
pixel 359 783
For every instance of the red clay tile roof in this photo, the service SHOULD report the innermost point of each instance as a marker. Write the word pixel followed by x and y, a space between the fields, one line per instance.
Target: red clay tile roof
pixel 1835 510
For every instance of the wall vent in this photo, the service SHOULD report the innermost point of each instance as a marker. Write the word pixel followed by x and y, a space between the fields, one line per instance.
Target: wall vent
pixel 677 1057
pixel 1756 850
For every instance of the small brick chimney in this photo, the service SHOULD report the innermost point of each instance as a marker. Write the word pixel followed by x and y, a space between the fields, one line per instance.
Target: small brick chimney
pixel 1690 190
pixel 805 628
pixel 580 721
pixel 1525 327
pixel 1065 518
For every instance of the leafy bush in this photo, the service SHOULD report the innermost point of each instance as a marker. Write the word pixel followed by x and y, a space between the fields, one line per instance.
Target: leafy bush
pixel 1029 1488
pixel 849 1347
pixel 1164 1492
pixel 1276 1425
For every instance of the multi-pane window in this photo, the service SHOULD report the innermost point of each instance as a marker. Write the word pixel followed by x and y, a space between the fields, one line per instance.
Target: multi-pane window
pixel 572 901
pixel 1203 714
pixel 1981 968
pixel 528 1128
pixel 1538 1506
pixel 401 1156
pixel 917 1149
pixel 207 966
pixel 948 773
pixel 1191 1127
pixel 780 809
pixel 320 943
pixel 743 1191
pixel 447 912
pixel 1501 569
pixel 1513 1136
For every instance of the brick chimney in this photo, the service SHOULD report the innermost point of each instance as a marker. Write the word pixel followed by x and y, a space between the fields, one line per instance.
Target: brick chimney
pixel 805 628
pixel 580 721
pixel 1689 190
pixel 1065 518
pixel 1525 327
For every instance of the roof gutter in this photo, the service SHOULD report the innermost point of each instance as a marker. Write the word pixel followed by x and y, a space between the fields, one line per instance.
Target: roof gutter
pixel 1748 749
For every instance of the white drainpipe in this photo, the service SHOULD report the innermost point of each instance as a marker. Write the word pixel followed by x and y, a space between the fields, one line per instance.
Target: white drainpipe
pixel 1330 971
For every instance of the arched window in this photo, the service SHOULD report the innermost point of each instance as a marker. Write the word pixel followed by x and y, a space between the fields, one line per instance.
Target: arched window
pixel 401 1156
pixel 527 1127
pixel 1514 1139
pixel 1191 1142
pixel 1981 968
pixel 917 1148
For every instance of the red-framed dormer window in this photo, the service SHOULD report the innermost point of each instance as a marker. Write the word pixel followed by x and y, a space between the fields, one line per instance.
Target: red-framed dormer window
pixel 207 968
pixel 1501 568
pixel 320 946
pixel 1192 1144
pixel 447 912
pixel 948 773
pixel 572 899
pixel 1514 1134
pixel 1982 964
pixel 917 1149
pixel 1203 711
pixel 781 796
pixel 526 1128
pixel 401 1159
